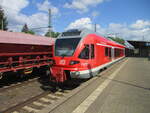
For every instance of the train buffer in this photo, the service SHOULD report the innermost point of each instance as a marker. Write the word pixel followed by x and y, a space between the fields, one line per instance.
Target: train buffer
pixel 125 88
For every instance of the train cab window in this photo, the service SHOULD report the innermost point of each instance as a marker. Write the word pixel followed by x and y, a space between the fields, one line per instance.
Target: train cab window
pixel 85 53
pixel 66 47
pixel 92 51
pixel 106 51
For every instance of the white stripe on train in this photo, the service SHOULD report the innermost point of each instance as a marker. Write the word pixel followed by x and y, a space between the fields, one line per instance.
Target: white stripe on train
pixel 108 46
pixel 98 67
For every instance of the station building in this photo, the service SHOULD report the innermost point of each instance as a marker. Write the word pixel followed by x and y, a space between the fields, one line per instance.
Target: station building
pixel 141 48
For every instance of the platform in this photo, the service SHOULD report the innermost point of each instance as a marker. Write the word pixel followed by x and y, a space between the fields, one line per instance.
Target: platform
pixel 124 90
pixel 128 92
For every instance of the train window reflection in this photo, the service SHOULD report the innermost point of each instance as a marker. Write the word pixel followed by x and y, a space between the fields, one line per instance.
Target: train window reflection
pixel 66 47
pixel 92 51
pixel 85 53
pixel 106 51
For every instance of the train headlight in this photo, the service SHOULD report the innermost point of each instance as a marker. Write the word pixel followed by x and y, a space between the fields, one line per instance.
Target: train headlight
pixel 73 62
pixel 75 73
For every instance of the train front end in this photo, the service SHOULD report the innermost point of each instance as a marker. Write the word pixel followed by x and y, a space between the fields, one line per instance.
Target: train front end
pixel 66 60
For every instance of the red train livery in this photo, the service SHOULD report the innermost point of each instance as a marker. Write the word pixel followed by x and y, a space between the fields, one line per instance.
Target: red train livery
pixel 76 53
pixel 80 53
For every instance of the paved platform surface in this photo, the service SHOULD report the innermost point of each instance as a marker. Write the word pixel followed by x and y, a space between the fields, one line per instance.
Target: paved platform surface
pixel 128 92
pixel 125 90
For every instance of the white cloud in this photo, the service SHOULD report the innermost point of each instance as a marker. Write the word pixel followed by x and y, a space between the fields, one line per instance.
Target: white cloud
pixel 17 19
pixel 115 29
pixel 15 5
pixel 129 33
pixel 140 24
pixel 34 21
pixel 81 23
pixel 82 5
pixel 12 10
pixel 85 23
pixel 46 5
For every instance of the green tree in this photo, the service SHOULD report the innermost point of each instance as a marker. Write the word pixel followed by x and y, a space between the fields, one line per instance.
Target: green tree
pixel 3 20
pixel 30 32
pixel 52 34
pixel 117 39
pixel 25 29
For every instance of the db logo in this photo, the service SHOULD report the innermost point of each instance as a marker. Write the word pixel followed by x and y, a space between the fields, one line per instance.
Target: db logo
pixel 62 62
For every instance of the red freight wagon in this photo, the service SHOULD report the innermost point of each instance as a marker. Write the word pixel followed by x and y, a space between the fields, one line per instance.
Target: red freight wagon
pixel 80 53
pixel 20 51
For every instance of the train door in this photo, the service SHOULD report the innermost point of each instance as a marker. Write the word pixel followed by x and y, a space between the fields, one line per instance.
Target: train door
pixel 112 53
pixel 88 57
pixel 88 53
pixel 92 55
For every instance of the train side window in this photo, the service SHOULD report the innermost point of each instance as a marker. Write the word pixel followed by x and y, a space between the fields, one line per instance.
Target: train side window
pixel 106 51
pixel 117 52
pixel 110 52
pixel 85 53
pixel 92 51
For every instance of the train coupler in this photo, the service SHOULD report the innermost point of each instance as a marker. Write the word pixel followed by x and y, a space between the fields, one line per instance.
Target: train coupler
pixel 58 73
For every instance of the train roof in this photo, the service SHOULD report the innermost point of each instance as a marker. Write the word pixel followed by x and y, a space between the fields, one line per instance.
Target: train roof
pixel 22 38
pixel 73 33
pixel 76 33
pixel 111 42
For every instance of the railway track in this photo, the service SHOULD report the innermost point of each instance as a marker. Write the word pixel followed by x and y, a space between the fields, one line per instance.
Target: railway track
pixel 41 99
pixel 37 103
pixel 19 84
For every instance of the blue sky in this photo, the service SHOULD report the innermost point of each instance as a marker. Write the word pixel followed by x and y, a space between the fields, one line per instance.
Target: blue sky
pixel 128 18
pixel 116 11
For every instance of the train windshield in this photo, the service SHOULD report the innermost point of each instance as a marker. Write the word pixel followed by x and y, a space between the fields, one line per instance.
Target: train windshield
pixel 66 47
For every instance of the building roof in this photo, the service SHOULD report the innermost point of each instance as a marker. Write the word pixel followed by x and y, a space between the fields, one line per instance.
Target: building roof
pixel 128 45
pixel 138 41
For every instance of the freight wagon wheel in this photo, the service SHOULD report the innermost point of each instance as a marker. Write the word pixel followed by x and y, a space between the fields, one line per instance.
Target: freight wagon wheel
pixel 1 75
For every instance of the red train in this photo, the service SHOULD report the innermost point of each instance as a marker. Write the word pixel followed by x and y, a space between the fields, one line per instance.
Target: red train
pixel 23 52
pixel 80 53
pixel 76 53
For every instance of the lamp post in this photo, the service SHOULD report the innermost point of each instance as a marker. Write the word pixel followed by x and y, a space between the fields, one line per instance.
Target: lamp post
pixel 50 26
pixel 2 24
